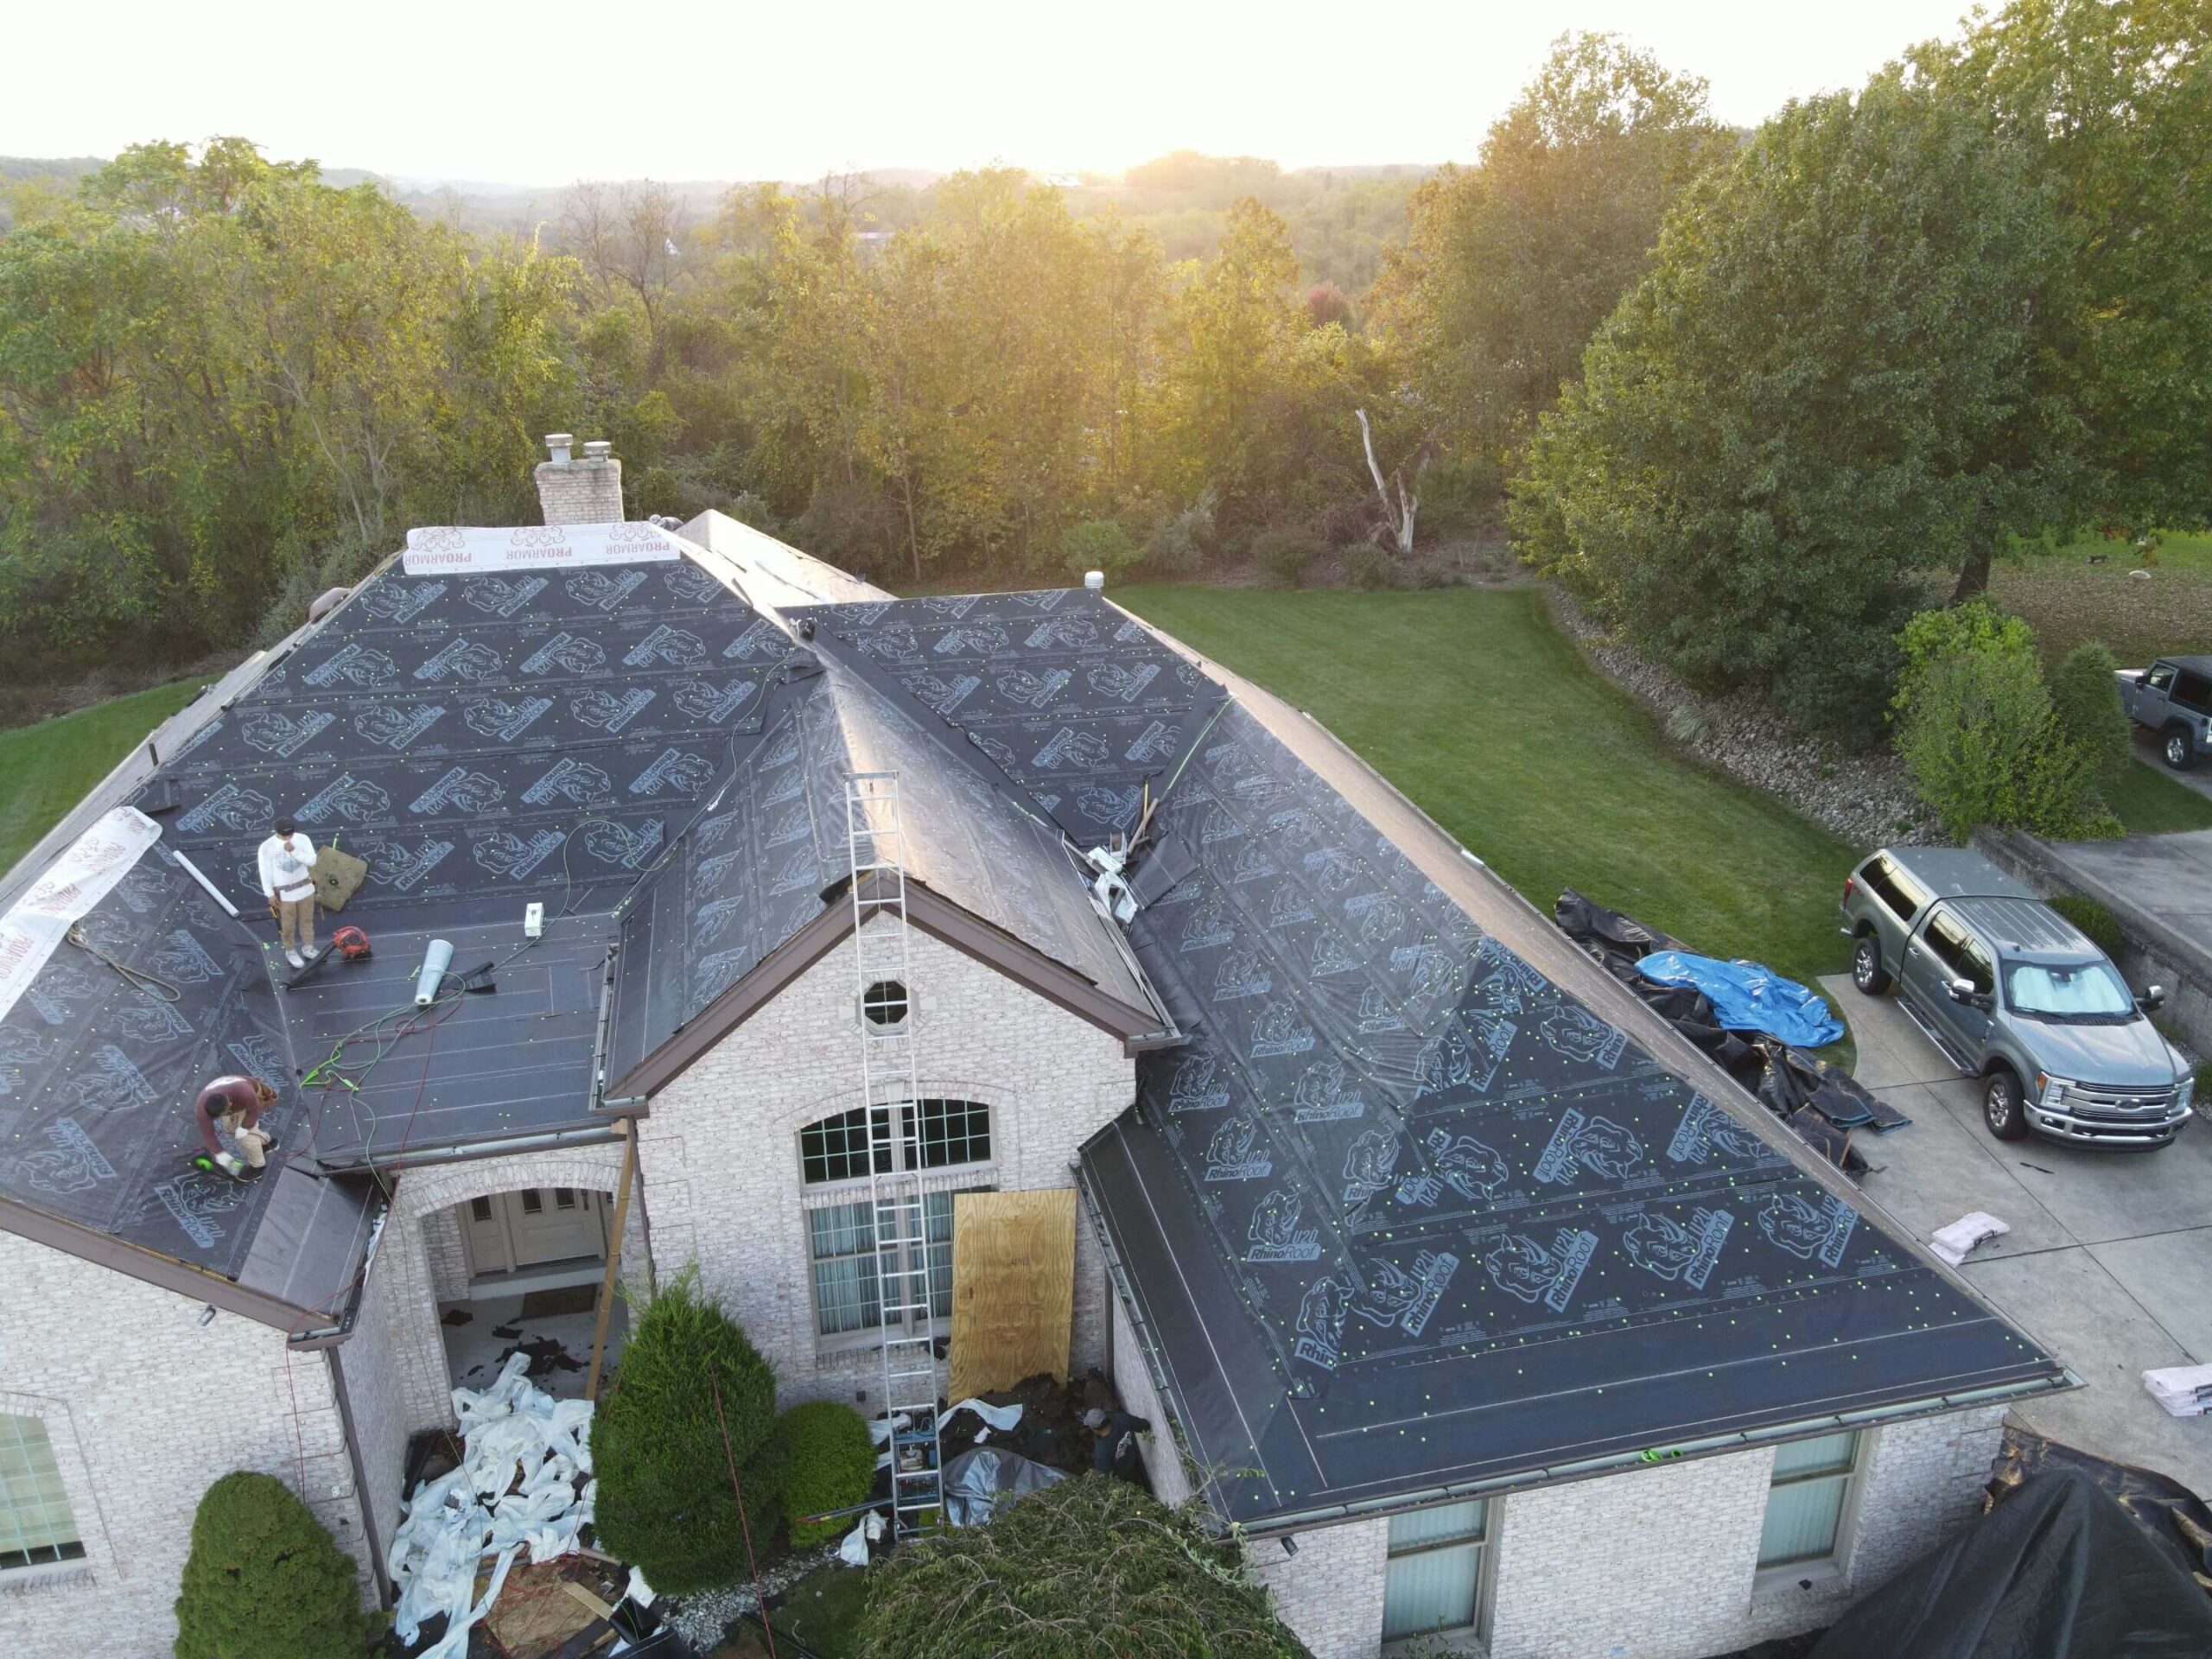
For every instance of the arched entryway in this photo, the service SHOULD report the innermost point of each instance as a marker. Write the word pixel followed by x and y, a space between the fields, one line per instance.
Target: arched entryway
pixel 533 1260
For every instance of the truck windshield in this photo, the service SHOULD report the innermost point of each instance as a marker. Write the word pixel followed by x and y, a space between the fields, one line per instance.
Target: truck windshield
pixel 2089 990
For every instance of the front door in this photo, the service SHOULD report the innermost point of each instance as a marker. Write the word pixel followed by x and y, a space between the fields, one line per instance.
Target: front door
pixel 512 1231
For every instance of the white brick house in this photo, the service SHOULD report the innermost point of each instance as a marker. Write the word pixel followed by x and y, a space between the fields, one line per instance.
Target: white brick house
pixel 1264 1044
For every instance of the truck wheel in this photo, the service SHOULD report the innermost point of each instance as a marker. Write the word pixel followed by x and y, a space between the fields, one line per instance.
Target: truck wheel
pixel 1867 970
pixel 2180 748
pixel 2001 1106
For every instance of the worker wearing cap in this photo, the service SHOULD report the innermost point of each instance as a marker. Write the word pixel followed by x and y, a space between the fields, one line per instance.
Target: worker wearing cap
pixel 1108 1428
pixel 232 1107
pixel 287 882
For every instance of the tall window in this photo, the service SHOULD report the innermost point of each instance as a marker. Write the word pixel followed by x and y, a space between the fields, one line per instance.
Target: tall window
pixel 36 1526
pixel 1804 1509
pixel 1434 1579
pixel 848 1258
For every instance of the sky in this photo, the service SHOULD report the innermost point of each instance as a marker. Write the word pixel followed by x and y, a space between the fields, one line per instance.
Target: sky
pixel 548 92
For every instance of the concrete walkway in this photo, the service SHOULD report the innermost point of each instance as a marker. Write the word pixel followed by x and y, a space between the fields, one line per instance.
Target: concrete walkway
pixel 2109 1260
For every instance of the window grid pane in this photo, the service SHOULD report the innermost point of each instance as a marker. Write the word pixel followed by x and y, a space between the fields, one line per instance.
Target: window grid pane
pixel 1431 1590
pixel 1830 1454
pixel 1446 1523
pixel 836 1149
pixel 842 1239
pixel 35 1523
pixel 1802 1519
pixel 954 1132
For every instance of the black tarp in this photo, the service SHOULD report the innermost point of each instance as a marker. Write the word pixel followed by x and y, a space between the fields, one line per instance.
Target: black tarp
pixel 1403 1208
pixel 2056 1571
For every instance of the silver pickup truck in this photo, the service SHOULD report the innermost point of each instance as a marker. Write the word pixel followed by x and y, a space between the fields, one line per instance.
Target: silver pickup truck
pixel 2172 698
pixel 2016 996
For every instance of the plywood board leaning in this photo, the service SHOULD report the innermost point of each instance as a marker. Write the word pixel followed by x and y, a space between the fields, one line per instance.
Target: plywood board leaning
pixel 1013 1286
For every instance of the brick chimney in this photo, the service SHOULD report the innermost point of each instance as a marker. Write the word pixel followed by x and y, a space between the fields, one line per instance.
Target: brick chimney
pixel 586 492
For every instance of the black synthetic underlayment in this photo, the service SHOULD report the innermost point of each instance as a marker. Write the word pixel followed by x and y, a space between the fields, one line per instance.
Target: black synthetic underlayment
pixel 1403 1209
pixel 753 870
pixel 497 738
pixel 1058 692
pixel 98 1077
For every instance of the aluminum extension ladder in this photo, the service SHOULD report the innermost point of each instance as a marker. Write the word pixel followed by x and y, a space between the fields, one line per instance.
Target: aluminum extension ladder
pixel 890 1090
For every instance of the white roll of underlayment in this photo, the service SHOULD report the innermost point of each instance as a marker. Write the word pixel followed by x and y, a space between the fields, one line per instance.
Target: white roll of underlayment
pixel 435 960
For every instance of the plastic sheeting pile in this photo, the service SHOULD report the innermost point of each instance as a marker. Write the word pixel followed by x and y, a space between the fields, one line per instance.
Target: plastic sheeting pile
pixel 1820 1103
pixel 515 1490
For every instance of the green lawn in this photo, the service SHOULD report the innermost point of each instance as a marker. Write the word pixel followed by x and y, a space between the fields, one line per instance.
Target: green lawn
pixel 45 769
pixel 2151 803
pixel 1473 704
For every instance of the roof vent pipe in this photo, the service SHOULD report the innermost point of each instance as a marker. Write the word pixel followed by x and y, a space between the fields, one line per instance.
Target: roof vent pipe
pixel 556 444
pixel 597 449
pixel 1095 581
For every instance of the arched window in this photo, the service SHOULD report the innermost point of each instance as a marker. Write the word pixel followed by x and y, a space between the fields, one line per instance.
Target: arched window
pixel 846 1255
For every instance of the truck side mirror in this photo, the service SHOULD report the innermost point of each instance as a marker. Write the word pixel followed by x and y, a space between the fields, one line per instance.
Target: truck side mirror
pixel 1961 990
pixel 2153 999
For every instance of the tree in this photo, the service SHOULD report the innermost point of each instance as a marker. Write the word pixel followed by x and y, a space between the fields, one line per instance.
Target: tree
pixel 2110 103
pixel 1087 1567
pixel 1829 381
pixel 264 1580
pixel 691 1420
pixel 1508 268
pixel 2085 694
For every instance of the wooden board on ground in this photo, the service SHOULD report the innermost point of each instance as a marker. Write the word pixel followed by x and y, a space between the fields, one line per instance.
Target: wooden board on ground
pixel 1013 1286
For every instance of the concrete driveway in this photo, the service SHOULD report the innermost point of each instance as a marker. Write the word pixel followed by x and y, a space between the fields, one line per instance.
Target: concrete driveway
pixel 2109 1260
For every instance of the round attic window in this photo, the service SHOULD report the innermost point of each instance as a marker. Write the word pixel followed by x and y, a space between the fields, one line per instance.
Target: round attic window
pixel 884 1003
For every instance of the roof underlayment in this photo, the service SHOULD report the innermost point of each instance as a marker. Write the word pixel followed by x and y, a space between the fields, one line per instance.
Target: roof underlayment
pixel 1407 1212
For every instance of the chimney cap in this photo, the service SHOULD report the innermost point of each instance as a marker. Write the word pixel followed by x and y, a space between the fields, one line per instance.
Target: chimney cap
pixel 556 444
pixel 597 449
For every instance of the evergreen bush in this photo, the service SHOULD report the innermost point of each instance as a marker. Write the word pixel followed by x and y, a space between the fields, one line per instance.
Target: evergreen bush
pixel 830 1464
pixel 658 1447
pixel 1058 1572
pixel 264 1580
pixel 1285 553
pixel 1098 544
pixel 2085 695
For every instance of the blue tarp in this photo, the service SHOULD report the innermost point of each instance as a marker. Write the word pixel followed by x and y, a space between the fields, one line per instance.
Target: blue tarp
pixel 1749 996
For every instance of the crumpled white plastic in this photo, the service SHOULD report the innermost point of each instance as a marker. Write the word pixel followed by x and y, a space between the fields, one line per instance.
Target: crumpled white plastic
pixel 1001 1417
pixel 854 1550
pixel 514 1492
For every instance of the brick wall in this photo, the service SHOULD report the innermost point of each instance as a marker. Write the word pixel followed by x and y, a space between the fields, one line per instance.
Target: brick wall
pixel 580 492
pixel 409 1285
pixel 367 1366
pixel 146 1408
pixel 1658 1563
pixel 1162 1449
pixel 1331 1593
pixel 718 1155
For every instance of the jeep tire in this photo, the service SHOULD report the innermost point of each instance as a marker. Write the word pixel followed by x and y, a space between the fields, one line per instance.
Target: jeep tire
pixel 2179 748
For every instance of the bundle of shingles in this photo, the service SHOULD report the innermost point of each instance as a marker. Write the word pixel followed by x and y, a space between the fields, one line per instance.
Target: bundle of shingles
pixel 1823 1105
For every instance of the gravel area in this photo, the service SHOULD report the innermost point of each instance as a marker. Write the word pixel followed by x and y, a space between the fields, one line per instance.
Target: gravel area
pixel 1859 795
pixel 704 1619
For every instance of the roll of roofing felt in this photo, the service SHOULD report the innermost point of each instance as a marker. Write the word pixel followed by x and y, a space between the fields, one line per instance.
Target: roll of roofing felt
pixel 435 960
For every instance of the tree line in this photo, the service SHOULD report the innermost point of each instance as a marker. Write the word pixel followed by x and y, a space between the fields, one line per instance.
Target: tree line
pixel 1754 397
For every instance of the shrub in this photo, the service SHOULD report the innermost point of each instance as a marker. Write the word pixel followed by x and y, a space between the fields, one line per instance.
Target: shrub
pixel 1976 628
pixel 1090 1555
pixel 829 1464
pixel 264 1580
pixel 2086 699
pixel 1347 524
pixel 1098 544
pixel 1176 545
pixel 2093 919
pixel 658 1444
pixel 1983 745
pixel 1368 566
pixel 1285 553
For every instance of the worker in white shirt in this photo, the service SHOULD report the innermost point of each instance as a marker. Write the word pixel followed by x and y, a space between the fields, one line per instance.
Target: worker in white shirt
pixel 287 882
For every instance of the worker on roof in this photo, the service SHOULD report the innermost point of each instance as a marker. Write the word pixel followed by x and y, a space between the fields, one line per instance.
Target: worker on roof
pixel 287 882
pixel 230 1108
